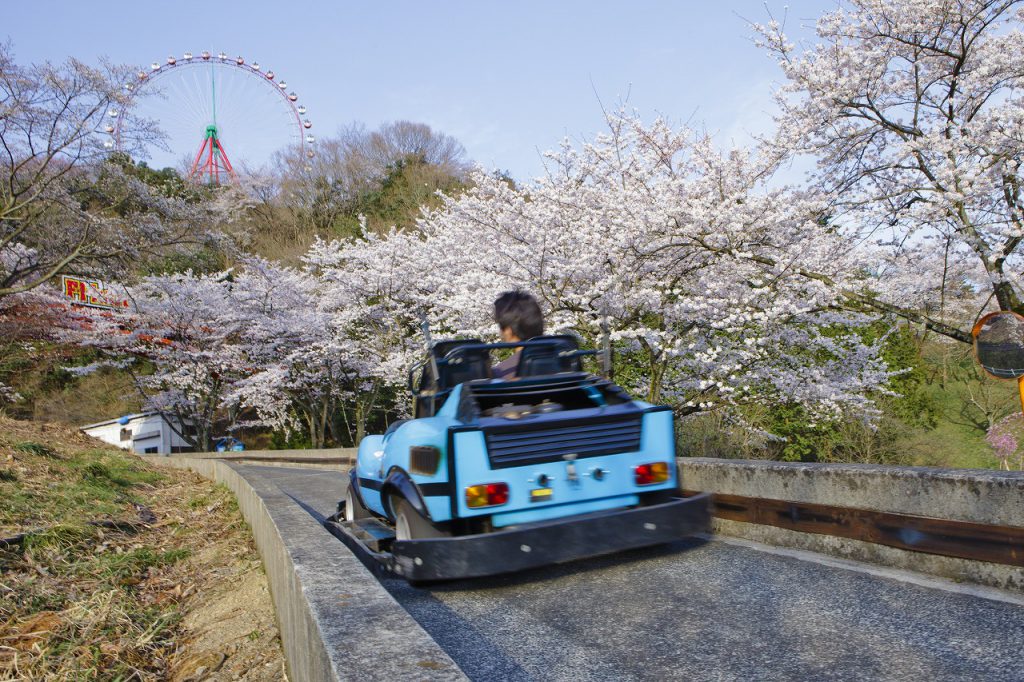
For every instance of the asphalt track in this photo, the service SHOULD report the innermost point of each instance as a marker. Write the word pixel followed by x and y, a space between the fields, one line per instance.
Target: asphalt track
pixel 710 610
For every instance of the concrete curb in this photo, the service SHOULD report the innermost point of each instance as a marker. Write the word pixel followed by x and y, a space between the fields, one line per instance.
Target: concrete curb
pixel 337 622
pixel 978 495
pixel 333 458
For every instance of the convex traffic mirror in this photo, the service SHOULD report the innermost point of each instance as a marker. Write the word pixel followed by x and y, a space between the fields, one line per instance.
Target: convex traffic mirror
pixel 999 344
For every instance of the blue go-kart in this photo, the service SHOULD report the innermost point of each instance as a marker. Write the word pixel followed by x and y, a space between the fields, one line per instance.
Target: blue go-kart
pixel 494 476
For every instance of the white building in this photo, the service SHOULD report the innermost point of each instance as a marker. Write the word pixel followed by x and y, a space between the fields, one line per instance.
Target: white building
pixel 148 433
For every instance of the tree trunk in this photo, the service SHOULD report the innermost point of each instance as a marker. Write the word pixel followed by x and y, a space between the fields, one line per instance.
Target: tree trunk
pixel 656 374
pixel 1007 297
pixel 322 427
pixel 360 422
pixel 311 425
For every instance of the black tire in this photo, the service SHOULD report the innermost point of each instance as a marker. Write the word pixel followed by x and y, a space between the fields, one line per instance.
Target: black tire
pixel 409 525
pixel 354 509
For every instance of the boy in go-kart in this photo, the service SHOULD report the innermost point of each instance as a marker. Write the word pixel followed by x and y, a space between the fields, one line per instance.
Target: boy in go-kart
pixel 519 318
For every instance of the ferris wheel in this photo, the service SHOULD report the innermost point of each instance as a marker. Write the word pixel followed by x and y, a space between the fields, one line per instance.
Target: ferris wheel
pixel 205 105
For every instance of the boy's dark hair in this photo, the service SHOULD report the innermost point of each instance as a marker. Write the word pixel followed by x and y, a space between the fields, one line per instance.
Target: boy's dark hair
pixel 519 311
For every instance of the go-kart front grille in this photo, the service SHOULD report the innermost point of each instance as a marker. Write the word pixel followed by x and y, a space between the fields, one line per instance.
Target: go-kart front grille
pixel 519 447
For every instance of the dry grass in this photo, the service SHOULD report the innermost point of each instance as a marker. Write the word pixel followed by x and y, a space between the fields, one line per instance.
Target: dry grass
pixel 119 566
pixel 104 392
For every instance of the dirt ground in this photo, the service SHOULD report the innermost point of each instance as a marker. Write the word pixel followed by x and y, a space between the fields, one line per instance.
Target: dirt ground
pixel 112 569
pixel 231 631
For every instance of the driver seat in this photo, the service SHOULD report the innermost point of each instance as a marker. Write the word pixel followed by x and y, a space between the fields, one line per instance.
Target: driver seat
pixel 549 355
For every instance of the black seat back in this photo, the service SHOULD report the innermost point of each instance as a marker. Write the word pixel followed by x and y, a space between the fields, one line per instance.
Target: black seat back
pixel 467 365
pixel 549 355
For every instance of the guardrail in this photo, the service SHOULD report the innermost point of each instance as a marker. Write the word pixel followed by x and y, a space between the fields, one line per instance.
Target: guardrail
pixel 963 524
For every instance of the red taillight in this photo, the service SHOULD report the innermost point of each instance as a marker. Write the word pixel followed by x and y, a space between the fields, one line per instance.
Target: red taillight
pixel 487 495
pixel 655 472
pixel 497 493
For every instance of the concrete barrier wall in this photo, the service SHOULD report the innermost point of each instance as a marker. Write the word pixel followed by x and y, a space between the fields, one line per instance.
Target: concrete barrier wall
pixel 336 620
pixel 977 496
pixel 326 458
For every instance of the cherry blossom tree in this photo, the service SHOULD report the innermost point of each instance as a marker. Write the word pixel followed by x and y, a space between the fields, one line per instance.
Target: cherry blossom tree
pixel 376 292
pixel 292 348
pixel 28 322
pixel 296 362
pixel 720 287
pixel 1004 439
pixel 914 112
pixel 696 263
pixel 322 347
pixel 65 204
pixel 180 342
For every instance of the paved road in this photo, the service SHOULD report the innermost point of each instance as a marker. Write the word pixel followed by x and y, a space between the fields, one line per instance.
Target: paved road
pixel 705 610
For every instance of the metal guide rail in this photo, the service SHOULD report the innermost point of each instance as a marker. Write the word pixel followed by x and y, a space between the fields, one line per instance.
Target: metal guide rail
pixel 960 539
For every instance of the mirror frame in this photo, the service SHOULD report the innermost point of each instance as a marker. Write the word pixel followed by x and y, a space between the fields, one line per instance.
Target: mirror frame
pixel 976 330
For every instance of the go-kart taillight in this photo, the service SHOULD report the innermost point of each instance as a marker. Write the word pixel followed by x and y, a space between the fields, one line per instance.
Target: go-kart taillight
pixel 648 474
pixel 487 495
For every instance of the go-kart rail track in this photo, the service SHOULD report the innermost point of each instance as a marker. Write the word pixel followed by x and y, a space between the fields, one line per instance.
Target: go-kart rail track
pixel 720 608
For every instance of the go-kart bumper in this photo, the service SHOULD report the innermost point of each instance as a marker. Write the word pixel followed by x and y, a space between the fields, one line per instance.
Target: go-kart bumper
pixel 549 542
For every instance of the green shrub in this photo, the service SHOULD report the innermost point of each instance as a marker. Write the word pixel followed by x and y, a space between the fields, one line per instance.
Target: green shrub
pixel 37 449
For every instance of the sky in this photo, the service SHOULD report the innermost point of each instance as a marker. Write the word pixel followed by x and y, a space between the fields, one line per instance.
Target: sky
pixel 508 80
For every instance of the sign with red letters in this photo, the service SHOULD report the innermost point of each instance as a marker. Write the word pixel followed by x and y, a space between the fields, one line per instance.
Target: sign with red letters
pixel 90 292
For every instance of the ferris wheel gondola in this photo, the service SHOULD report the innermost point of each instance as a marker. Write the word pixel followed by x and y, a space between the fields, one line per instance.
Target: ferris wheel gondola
pixel 204 103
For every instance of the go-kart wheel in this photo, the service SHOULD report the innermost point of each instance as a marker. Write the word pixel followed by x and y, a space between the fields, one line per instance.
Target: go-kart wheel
pixel 354 509
pixel 409 525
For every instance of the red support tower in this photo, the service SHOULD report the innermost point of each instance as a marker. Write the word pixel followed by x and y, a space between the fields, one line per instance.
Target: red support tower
pixel 211 160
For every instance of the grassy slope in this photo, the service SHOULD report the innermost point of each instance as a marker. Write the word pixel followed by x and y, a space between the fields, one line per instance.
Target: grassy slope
pixel 956 441
pixel 109 600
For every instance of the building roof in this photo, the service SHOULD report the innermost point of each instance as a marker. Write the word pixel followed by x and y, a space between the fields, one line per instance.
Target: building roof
pixel 131 418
